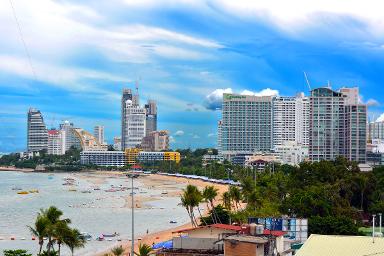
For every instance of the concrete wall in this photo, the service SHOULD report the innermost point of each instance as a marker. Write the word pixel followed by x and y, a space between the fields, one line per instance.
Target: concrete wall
pixel 195 243
pixel 243 249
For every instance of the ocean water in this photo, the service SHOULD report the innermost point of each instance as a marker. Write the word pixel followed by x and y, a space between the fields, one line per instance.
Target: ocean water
pixel 96 213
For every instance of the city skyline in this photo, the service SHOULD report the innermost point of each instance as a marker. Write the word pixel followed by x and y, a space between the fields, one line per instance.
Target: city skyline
pixel 183 57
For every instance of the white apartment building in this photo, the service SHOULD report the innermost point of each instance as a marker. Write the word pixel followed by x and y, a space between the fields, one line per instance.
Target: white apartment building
pixel 37 134
pixel 98 132
pixel 103 158
pixel 134 125
pixel 56 142
pixel 291 120
pixel 292 153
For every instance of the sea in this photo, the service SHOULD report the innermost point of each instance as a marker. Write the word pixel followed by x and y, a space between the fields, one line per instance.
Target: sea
pixel 96 213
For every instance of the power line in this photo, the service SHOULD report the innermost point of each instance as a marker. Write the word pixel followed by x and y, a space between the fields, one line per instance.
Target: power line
pixel 22 40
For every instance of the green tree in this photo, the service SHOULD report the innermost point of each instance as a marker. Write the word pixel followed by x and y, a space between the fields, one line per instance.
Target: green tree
pixel 74 240
pixel 332 225
pixel 40 229
pixel 144 250
pixel 209 194
pixel 18 252
pixel 235 193
pixel 118 250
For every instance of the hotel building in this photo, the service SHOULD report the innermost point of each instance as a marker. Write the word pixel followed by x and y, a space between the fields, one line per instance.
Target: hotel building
pixel 37 133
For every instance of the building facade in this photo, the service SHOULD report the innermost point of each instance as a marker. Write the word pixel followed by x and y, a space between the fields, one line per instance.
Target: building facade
pixel 127 95
pixel 98 132
pixel 71 140
pixel 246 124
pixel 134 127
pixel 37 133
pixel 56 142
pixel 103 158
pixel 150 117
pixel 337 125
pixel 375 131
pixel 291 153
pixel 156 141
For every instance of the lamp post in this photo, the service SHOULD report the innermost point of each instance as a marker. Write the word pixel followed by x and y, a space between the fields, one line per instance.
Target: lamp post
pixel 373 227
pixel 380 216
pixel 133 216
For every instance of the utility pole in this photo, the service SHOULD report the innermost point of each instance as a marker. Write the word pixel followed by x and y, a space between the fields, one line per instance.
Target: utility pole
pixel 373 228
pixel 133 216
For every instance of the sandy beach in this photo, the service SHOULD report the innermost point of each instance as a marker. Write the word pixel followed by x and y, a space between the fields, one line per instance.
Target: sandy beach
pixel 167 183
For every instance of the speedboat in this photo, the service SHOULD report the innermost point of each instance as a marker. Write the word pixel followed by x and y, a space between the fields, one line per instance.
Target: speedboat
pixel 86 235
pixel 23 192
pixel 111 235
pixel 173 222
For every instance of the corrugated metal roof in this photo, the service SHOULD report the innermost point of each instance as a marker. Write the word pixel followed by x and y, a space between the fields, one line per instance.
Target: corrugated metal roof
pixel 328 245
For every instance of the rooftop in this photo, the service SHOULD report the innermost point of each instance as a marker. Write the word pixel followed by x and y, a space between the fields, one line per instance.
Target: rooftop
pixel 219 226
pixel 329 245
pixel 247 239
pixel 274 232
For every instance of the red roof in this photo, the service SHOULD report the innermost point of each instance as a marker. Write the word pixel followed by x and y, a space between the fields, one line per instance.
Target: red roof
pixel 219 226
pixel 274 232
pixel 136 166
pixel 53 132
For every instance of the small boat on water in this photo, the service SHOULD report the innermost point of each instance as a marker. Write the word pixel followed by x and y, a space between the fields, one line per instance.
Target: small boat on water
pixel 34 191
pixel 173 222
pixel 86 235
pixel 72 190
pixel 164 193
pixel 100 238
pixel 111 235
pixel 17 188
pixel 111 190
pixel 86 191
pixel 23 193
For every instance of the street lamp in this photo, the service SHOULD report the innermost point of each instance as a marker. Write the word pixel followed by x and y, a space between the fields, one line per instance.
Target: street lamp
pixel 133 216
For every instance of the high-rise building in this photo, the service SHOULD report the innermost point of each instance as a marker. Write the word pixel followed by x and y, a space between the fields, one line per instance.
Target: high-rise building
pixel 37 133
pixel 291 120
pixel 219 136
pixel 156 141
pixel 117 143
pixel 127 95
pixel 56 142
pixel 71 140
pixel 326 124
pixel 151 116
pixel 375 131
pixel 246 124
pixel 133 125
pixel 355 126
pixel 98 132
pixel 337 125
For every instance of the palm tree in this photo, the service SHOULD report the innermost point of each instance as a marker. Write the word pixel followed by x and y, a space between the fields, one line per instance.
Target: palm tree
pixel 144 250
pixel 74 240
pixel 39 230
pixel 235 194
pixel 61 231
pixel 247 187
pixel 210 193
pixel 226 198
pixel 52 215
pixel 190 199
pixel 362 183
pixel 118 250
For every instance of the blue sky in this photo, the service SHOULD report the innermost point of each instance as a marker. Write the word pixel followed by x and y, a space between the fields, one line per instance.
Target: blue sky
pixel 185 54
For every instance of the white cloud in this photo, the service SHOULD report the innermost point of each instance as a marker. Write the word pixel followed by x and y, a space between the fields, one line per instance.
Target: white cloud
pixel 172 139
pixel 213 100
pixel 296 14
pixel 372 103
pixel 263 92
pixel 179 133
pixel 380 118
pixel 211 135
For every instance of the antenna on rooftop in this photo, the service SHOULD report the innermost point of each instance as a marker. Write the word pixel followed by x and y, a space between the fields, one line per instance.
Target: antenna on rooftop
pixel 329 84
pixel 306 80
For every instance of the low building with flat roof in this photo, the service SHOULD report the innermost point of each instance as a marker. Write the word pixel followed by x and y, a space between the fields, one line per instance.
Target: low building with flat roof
pixel 332 245
pixel 103 158
pixel 241 245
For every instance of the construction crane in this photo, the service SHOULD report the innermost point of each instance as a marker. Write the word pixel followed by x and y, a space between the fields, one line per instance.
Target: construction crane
pixel 306 79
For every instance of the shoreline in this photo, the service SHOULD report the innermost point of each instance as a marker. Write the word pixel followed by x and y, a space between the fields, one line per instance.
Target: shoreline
pixel 155 181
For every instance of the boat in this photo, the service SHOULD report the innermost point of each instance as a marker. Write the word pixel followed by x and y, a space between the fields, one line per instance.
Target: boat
pixel 173 222
pixel 86 191
pixel 72 189
pixel 111 190
pixel 34 191
pixel 86 235
pixel 164 193
pixel 100 238
pixel 17 188
pixel 23 192
pixel 111 235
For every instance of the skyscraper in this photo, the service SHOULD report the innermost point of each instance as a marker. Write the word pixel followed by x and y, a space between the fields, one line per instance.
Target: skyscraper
pixel 133 121
pixel 98 132
pixel 127 95
pixel 37 133
pixel 337 125
pixel 151 117
pixel 246 124
pixel 71 140
pixel 56 142
pixel 326 124
pixel 291 120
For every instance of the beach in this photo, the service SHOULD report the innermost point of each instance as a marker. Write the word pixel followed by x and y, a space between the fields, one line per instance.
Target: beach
pixel 156 203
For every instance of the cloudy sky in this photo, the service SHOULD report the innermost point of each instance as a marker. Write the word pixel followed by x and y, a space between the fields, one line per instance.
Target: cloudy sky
pixel 184 53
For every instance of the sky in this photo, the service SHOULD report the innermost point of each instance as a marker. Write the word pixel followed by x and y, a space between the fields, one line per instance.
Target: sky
pixel 71 59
